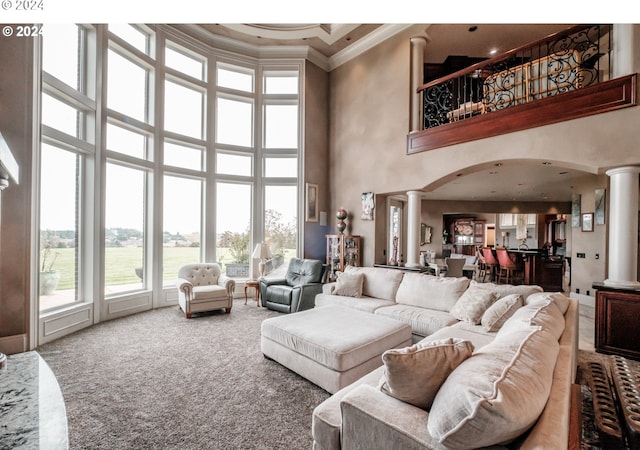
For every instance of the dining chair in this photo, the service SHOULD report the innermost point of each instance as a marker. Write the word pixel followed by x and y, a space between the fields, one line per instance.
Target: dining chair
pixel 454 267
pixel 510 270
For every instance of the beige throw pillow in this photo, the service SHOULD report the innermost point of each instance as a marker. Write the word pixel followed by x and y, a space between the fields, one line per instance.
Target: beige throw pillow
pixel 472 304
pixel 349 285
pixel 498 313
pixel 414 374
pixel 496 394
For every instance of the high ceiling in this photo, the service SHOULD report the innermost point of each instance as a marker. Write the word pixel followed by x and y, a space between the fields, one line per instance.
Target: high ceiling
pixel 507 181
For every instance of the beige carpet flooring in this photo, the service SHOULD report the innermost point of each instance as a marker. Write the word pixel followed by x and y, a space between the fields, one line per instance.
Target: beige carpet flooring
pixel 155 380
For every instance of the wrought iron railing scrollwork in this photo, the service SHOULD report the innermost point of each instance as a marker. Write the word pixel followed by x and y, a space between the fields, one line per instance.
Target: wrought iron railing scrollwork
pixel 574 59
pixel 437 103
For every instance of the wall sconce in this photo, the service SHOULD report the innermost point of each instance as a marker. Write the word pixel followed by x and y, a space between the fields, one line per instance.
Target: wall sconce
pixel 261 252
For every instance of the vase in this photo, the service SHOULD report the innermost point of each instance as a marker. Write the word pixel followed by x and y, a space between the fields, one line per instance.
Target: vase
pixel 341 214
pixel 49 282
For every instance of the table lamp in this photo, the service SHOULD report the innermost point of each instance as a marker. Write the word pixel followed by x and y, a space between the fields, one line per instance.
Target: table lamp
pixel 261 252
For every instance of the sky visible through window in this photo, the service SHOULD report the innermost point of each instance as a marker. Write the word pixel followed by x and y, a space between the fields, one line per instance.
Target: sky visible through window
pixel 185 114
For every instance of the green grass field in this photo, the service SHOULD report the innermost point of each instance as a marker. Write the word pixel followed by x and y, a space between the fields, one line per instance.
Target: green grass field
pixel 121 262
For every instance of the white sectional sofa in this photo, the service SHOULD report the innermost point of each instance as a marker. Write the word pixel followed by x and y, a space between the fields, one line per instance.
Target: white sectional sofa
pixel 513 391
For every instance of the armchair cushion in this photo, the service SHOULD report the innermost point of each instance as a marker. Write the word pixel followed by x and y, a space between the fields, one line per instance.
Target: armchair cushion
pixel 304 271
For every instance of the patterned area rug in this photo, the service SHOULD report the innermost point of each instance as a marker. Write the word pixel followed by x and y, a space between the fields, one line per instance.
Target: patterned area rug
pixel 591 438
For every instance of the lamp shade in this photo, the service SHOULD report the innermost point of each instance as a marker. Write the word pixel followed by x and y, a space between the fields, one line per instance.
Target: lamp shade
pixel 262 251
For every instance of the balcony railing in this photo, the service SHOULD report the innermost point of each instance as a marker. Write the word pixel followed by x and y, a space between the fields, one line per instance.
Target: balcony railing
pixel 576 58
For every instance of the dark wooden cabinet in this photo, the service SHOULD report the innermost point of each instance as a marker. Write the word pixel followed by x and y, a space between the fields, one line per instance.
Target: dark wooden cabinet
pixel 617 321
pixel 342 250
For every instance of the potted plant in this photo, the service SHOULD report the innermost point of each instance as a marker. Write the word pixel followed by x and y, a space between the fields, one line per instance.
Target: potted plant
pixel 49 277
pixel 239 249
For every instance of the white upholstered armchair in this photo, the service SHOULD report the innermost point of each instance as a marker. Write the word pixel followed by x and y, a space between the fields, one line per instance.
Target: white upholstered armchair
pixel 202 287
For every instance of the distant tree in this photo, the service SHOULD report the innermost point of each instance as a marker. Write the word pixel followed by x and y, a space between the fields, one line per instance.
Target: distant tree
pixel 280 235
pixel 239 247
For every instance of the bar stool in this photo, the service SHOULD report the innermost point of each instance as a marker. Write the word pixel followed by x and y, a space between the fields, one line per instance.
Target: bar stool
pixel 509 270
pixel 481 274
pixel 491 262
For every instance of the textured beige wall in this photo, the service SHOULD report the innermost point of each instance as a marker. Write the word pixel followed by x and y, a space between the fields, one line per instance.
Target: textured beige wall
pixel 316 154
pixel 369 119
pixel 15 246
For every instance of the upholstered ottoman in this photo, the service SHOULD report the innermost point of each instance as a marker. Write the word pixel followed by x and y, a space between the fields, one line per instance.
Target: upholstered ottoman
pixel 331 346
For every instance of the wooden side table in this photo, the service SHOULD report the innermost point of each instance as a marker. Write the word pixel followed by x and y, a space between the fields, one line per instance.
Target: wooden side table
pixel 252 284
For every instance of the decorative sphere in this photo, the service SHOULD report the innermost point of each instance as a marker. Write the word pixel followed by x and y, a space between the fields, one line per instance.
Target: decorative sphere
pixel 340 226
pixel 341 213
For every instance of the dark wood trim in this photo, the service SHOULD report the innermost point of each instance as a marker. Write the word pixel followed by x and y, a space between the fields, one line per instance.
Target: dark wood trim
pixel 575 418
pixel 599 98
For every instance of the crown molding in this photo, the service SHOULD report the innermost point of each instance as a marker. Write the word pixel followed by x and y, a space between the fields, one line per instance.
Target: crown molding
pixel 374 38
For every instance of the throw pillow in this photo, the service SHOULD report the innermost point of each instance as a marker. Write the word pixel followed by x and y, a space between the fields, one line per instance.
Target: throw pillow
pixel 506 289
pixel 498 393
pixel 557 298
pixel 498 313
pixel 414 374
pixel 349 285
pixel 472 304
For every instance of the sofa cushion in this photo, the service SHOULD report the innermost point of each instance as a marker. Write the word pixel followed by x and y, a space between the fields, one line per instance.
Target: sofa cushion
pixel 472 305
pixel 506 289
pixel 378 282
pixel 423 321
pixel 428 291
pixel 414 374
pixel 558 299
pixel 366 304
pixel 546 315
pixel 463 330
pixel 517 374
pixel 349 284
pixel 498 313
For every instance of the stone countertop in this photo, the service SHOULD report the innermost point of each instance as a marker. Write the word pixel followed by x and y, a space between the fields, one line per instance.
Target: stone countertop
pixel 32 410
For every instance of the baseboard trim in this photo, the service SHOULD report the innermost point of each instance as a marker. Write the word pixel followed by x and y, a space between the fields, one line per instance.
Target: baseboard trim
pixel 586 300
pixel 13 344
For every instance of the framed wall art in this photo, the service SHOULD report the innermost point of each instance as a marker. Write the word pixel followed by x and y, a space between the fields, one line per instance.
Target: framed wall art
pixel 368 205
pixel 601 210
pixel 587 222
pixel 311 206
pixel 575 210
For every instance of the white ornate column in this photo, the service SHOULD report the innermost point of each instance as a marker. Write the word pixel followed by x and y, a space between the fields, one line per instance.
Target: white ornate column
pixel 623 227
pixel 626 49
pixel 413 229
pixel 418 44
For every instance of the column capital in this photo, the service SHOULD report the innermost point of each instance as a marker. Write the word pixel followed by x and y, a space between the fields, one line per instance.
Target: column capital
pixel 411 193
pixel 625 169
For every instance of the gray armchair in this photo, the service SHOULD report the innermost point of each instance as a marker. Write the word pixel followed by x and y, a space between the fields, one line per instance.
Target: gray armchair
pixel 298 290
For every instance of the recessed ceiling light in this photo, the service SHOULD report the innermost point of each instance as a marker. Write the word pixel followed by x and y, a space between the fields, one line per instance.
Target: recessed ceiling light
pixel 563 172
pixel 546 163
pixel 493 51
pixel 472 29
pixel 498 164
